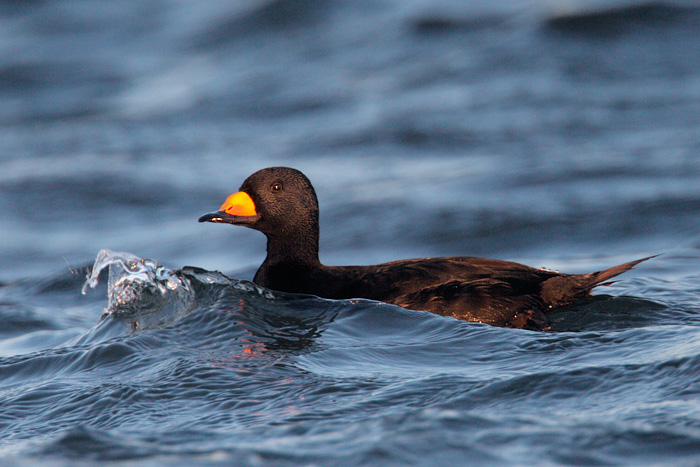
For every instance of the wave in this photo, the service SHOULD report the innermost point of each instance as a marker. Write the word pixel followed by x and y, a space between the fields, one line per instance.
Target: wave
pixel 191 363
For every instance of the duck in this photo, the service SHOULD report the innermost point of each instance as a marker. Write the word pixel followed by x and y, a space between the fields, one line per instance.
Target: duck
pixel 281 203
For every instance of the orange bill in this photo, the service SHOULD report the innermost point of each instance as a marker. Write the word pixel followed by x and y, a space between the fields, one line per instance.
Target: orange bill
pixel 239 204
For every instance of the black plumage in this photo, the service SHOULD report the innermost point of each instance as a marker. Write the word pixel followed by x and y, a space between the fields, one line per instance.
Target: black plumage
pixel 281 203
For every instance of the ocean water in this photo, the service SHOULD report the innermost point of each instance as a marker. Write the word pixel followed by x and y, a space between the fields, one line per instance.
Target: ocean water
pixel 558 134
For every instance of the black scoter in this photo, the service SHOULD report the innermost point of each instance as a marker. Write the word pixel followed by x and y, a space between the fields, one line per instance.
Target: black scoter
pixel 281 203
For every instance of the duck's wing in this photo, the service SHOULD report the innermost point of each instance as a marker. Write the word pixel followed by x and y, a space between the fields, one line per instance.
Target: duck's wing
pixel 489 301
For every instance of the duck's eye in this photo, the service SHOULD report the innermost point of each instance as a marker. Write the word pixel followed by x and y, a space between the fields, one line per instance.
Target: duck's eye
pixel 277 186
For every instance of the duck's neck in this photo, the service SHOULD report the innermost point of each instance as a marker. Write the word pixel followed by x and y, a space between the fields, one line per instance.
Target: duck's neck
pixel 300 247
pixel 290 266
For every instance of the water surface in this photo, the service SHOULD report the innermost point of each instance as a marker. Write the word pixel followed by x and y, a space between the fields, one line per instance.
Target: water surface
pixel 558 137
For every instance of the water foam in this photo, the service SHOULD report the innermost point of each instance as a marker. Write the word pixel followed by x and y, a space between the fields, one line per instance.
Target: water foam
pixel 135 284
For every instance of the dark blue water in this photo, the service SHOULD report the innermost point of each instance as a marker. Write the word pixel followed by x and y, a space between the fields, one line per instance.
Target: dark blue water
pixel 557 134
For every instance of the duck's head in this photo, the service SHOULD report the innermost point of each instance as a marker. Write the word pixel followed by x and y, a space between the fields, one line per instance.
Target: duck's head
pixel 278 201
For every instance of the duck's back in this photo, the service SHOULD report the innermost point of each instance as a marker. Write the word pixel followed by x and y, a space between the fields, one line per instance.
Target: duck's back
pixel 490 291
pixel 495 292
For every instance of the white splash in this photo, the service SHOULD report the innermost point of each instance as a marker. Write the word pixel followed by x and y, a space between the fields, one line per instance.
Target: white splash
pixel 135 282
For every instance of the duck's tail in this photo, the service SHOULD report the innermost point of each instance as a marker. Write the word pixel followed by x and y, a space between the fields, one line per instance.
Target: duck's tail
pixel 564 289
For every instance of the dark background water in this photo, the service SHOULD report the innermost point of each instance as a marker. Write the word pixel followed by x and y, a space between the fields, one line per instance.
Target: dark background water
pixel 558 134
